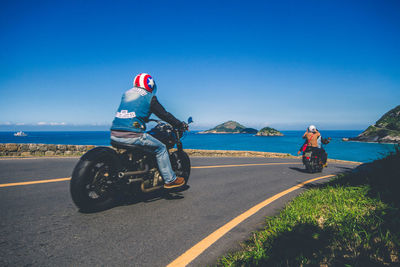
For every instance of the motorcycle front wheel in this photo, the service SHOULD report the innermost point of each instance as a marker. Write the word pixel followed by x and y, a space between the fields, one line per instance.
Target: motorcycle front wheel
pixel 91 184
pixel 180 162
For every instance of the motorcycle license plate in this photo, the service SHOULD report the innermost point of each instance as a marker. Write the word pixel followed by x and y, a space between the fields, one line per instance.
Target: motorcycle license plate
pixel 308 154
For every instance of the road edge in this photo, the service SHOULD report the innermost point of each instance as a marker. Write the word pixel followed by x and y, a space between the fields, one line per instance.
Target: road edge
pixel 28 151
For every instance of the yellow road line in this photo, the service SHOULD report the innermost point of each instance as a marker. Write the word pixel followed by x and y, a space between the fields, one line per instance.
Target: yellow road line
pixel 200 247
pixel 36 182
pixel 243 165
pixel 195 167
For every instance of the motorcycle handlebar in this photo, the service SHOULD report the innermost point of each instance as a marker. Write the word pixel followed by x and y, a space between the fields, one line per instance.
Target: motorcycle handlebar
pixel 183 128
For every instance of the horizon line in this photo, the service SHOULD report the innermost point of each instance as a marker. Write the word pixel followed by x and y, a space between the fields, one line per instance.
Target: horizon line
pixel 197 130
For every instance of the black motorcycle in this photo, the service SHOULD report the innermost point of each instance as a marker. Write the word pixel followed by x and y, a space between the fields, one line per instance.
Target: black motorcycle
pixel 104 173
pixel 313 158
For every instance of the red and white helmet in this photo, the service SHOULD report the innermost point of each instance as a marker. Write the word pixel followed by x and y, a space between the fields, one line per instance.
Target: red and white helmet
pixel 145 81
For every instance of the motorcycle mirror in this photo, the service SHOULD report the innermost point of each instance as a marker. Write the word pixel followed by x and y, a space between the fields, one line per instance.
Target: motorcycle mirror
pixel 190 120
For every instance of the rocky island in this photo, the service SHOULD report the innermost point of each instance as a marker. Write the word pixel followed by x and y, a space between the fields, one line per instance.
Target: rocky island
pixel 385 130
pixel 230 127
pixel 268 131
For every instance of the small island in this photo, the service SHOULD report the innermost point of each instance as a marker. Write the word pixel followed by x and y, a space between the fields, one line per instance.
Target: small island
pixel 385 130
pixel 230 127
pixel 268 131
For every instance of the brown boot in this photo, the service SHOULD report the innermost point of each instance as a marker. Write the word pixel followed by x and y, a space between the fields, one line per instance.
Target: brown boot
pixel 179 181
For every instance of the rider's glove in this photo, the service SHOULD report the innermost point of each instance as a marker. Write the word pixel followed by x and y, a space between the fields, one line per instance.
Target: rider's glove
pixel 184 126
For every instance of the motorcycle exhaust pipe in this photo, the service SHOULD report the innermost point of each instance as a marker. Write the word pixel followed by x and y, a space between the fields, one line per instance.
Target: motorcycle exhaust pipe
pixel 151 189
pixel 136 180
pixel 127 174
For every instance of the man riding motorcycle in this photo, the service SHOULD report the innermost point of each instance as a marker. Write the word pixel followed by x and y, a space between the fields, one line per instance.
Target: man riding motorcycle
pixel 313 141
pixel 129 124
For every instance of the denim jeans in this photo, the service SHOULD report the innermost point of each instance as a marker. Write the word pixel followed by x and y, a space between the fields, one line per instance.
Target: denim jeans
pixel 154 146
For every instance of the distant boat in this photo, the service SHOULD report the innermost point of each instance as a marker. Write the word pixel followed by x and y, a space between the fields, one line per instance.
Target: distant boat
pixel 20 133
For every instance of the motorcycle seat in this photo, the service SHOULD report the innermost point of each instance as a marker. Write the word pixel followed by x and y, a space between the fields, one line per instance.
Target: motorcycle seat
pixel 120 145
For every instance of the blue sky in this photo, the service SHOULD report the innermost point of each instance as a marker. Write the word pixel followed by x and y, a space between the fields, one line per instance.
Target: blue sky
pixel 285 64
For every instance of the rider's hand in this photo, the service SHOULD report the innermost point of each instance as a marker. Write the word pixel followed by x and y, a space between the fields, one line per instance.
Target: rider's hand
pixel 298 152
pixel 184 126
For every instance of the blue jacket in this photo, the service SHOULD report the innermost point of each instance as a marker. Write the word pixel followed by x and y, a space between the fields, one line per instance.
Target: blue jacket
pixel 133 111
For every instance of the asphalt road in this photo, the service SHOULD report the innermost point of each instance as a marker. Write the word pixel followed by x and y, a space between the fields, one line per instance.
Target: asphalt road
pixel 40 225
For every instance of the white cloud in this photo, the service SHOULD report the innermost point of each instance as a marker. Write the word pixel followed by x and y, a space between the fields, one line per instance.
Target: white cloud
pixel 51 123
pixel 100 124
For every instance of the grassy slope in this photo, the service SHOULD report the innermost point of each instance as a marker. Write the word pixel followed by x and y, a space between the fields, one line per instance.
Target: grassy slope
pixel 388 124
pixel 381 132
pixel 354 220
pixel 390 120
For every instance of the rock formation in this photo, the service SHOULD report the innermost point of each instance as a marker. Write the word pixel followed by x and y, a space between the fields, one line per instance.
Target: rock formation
pixel 385 130
pixel 230 127
pixel 268 131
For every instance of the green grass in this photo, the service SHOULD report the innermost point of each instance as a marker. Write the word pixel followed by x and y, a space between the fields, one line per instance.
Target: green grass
pixel 354 220
pixel 390 120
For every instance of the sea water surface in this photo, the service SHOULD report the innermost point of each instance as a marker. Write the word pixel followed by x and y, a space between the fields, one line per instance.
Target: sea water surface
pixel 290 143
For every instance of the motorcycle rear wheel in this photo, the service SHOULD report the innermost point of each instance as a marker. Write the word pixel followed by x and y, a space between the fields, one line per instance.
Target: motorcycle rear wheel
pixel 319 168
pixel 91 184
pixel 308 168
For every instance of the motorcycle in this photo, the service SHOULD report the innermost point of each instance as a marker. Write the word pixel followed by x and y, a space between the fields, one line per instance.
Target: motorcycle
pixel 103 173
pixel 312 157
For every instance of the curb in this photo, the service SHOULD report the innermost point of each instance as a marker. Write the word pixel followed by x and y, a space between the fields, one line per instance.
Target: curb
pixel 21 151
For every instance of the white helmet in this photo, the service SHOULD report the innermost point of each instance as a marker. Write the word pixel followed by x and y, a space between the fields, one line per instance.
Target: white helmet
pixel 312 128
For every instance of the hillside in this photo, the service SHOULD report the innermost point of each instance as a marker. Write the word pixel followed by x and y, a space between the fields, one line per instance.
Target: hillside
pixel 268 131
pixel 249 131
pixel 385 130
pixel 230 127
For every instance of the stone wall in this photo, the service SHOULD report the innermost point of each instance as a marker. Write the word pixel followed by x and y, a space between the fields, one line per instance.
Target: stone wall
pixel 234 153
pixel 28 150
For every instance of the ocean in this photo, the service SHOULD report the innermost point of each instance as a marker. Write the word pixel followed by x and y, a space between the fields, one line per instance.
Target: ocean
pixel 290 143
